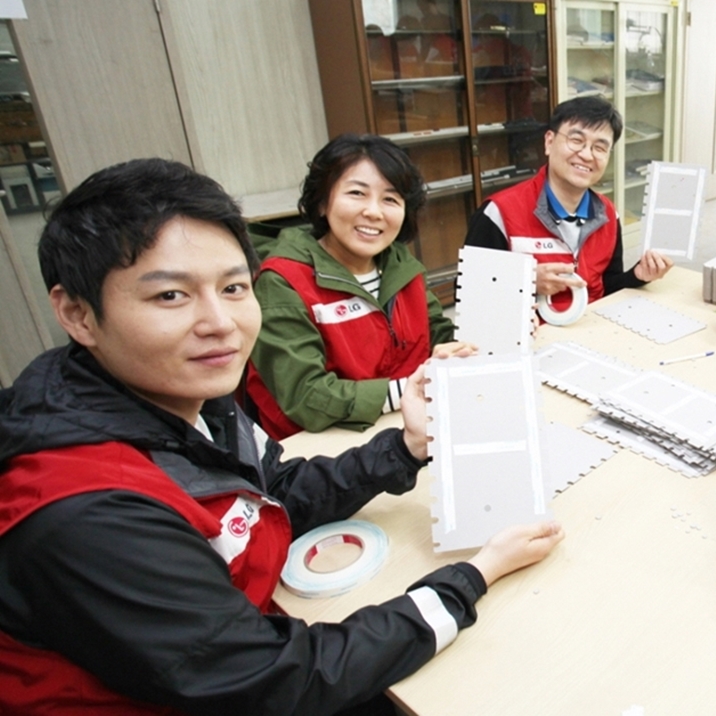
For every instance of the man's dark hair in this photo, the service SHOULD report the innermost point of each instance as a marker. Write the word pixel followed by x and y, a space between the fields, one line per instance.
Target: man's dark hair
pixel 590 111
pixel 115 215
pixel 343 152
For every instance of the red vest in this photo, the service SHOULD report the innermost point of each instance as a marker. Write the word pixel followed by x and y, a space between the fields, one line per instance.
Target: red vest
pixel 250 531
pixel 360 342
pixel 527 234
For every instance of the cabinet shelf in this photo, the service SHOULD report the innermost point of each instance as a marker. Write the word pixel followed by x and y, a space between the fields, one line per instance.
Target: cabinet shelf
pixel 639 140
pixel 504 80
pixel 634 92
pixel 450 187
pixel 607 94
pixel 639 131
pixel 421 83
pixel 626 50
pixel 408 32
pixel 466 97
pixel 606 45
pixel 510 128
pixel 505 177
pixel 506 32
pixel 406 139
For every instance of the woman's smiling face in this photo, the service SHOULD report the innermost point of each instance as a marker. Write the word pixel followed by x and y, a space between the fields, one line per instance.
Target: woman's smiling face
pixel 364 214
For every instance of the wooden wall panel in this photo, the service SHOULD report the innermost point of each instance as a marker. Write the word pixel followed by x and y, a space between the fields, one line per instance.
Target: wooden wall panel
pixel 22 328
pixel 248 73
pixel 101 83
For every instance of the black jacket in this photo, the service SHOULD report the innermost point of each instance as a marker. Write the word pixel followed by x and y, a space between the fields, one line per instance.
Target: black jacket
pixel 127 589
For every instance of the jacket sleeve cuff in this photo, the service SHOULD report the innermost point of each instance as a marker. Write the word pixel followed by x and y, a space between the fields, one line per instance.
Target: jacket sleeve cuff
pixel 630 279
pixel 403 452
pixel 446 600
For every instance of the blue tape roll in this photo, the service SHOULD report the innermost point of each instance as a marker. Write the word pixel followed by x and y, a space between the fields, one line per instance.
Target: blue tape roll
pixel 299 579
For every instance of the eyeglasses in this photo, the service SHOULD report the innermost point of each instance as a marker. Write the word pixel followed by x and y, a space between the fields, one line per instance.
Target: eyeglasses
pixel 576 141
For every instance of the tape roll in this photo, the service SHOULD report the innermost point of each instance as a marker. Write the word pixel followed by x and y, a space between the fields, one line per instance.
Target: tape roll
pixel 298 578
pixel 580 298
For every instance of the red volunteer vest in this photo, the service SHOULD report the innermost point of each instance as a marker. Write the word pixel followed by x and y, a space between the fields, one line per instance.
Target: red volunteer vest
pixel 248 529
pixel 359 341
pixel 527 234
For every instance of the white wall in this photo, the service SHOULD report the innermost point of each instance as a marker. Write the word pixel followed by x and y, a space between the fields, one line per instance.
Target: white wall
pixel 699 115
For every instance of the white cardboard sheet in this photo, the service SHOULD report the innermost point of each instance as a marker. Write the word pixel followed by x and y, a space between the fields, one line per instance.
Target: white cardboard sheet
pixel 673 201
pixel 651 320
pixel 494 282
pixel 487 459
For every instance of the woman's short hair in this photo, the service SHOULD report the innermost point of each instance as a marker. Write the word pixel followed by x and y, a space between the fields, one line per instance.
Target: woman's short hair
pixel 327 167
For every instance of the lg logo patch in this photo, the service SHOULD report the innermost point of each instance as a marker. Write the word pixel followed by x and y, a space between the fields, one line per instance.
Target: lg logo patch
pixel 238 526
pixel 343 309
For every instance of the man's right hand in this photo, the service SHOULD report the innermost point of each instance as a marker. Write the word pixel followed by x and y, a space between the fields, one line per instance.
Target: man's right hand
pixel 556 277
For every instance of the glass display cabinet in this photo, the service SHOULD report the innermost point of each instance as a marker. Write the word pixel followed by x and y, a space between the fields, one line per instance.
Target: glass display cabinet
pixel 645 102
pixel 625 51
pixel 463 85
pixel 510 59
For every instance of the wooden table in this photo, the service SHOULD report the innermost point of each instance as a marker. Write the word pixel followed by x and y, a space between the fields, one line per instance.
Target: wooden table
pixel 621 614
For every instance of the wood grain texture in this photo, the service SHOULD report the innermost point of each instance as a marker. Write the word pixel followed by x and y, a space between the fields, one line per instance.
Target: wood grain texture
pixel 23 330
pixel 100 82
pixel 251 80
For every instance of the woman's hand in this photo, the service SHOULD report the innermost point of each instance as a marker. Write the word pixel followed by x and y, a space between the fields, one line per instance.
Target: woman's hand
pixel 413 400
pixel 454 348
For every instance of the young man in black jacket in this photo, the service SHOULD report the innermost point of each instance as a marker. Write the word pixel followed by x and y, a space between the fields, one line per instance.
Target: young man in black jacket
pixel 144 520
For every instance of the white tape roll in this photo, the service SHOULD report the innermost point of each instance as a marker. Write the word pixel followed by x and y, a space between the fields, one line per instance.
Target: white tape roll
pixel 580 299
pixel 299 579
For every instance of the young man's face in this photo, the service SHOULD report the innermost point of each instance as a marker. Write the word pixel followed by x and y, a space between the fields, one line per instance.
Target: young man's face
pixel 179 324
pixel 572 168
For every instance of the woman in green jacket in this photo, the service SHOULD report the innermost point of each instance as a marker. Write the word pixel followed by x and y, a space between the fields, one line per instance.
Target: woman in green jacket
pixel 347 314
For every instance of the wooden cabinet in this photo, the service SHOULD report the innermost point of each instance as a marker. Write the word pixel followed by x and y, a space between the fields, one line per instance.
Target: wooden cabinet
pixel 230 88
pixel 26 174
pixel 626 51
pixel 465 86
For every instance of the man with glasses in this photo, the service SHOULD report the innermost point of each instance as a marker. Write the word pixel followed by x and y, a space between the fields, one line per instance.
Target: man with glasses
pixel 556 217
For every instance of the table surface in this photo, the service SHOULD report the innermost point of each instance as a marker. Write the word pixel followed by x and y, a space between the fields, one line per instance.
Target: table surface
pixel 621 614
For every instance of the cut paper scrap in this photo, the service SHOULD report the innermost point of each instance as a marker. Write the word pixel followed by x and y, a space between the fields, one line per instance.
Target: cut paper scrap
pixel 572 454
pixel 649 412
pixel 651 320
pixel 667 406
pixel 581 372
pixel 487 458
pixel 623 435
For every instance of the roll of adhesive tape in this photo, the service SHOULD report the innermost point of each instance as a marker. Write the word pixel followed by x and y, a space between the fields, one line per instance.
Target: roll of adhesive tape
pixel 298 578
pixel 570 315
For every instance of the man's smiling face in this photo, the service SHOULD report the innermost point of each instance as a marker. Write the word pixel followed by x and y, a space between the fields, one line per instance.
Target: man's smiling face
pixel 579 169
pixel 179 323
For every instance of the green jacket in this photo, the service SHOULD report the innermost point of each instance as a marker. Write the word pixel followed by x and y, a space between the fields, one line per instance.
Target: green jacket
pixel 289 353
